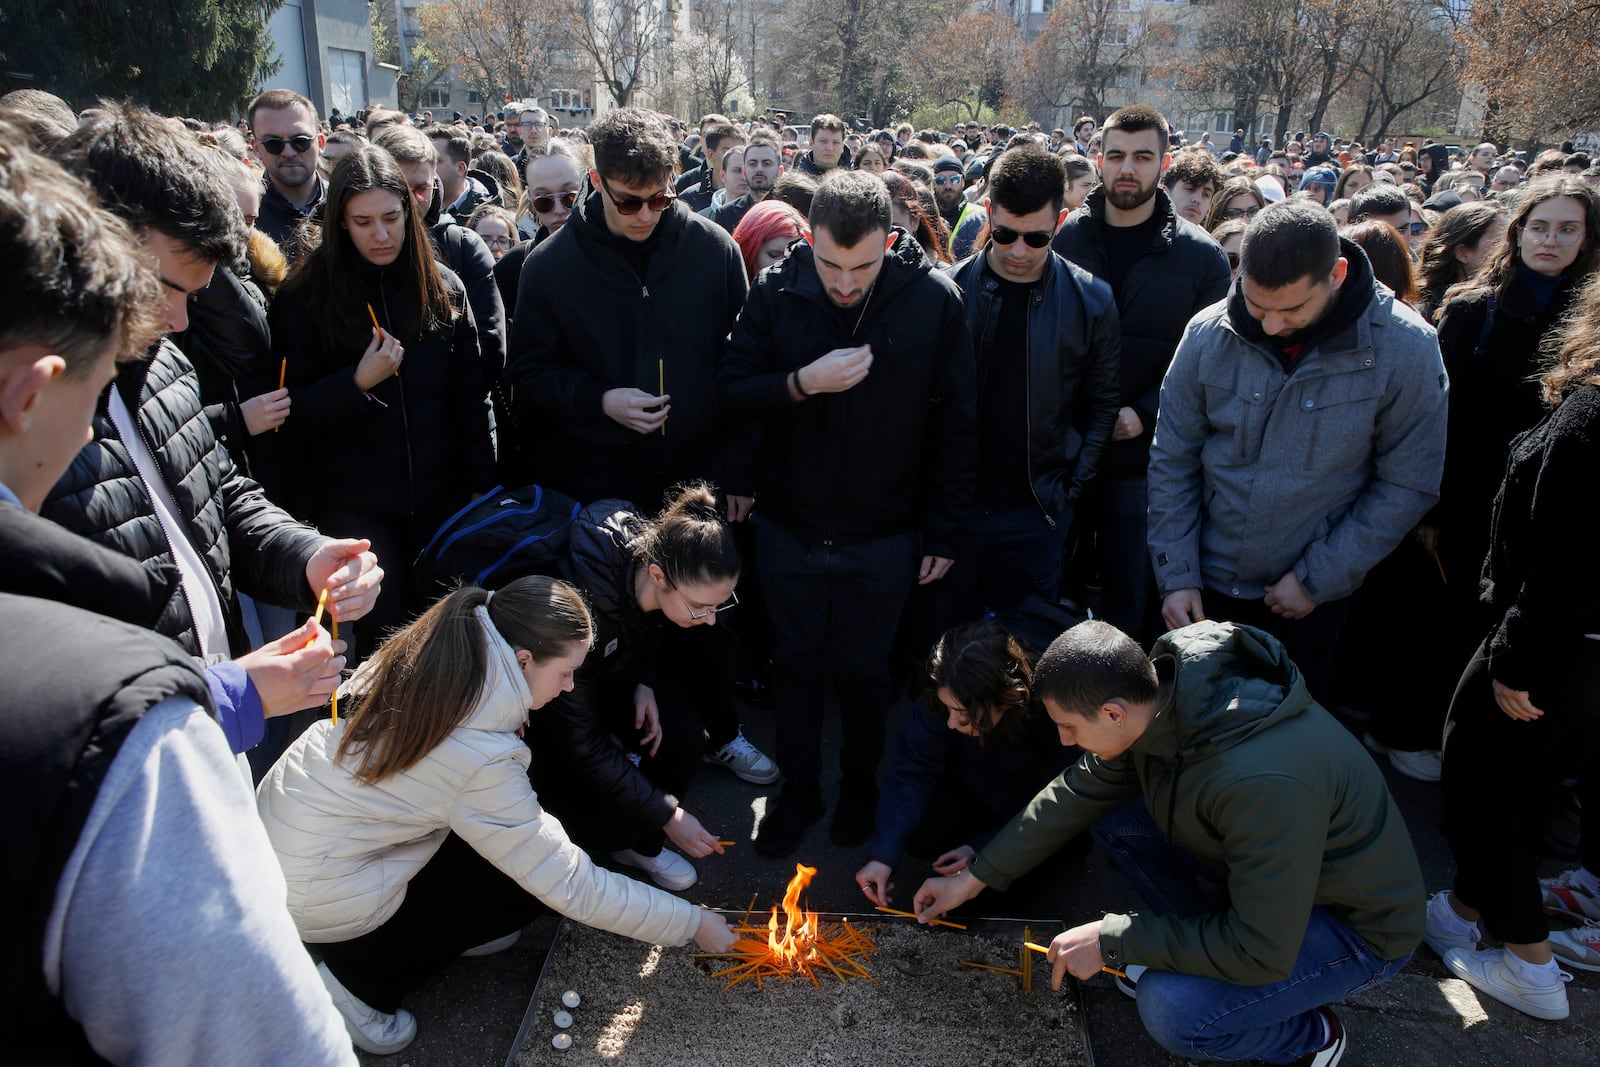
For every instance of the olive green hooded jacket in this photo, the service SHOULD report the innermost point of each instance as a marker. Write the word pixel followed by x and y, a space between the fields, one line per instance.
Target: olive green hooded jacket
pixel 1241 768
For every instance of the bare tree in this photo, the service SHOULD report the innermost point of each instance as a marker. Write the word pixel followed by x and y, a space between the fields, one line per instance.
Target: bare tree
pixel 619 37
pixel 710 56
pixel 1408 60
pixel 1535 59
pixel 965 62
pixel 1086 48
pixel 503 48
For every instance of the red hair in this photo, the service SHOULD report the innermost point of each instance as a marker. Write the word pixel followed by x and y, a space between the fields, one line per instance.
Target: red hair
pixel 768 219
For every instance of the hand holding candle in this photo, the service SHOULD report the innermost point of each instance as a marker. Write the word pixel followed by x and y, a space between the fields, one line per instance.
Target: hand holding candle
pixel 381 360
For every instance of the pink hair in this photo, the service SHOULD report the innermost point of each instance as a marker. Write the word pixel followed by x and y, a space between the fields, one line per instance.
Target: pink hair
pixel 768 219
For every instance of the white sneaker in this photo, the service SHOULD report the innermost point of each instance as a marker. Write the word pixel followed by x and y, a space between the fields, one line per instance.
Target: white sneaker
pixel 1330 1054
pixel 1489 971
pixel 1564 895
pixel 499 944
pixel 1424 766
pixel 370 1029
pixel 1128 980
pixel 1578 947
pixel 745 760
pixel 1443 931
pixel 667 870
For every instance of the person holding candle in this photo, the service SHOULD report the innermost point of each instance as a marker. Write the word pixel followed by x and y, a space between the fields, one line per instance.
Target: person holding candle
pixel 409 833
pixel 402 405
pixel 1277 872
pixel 650 686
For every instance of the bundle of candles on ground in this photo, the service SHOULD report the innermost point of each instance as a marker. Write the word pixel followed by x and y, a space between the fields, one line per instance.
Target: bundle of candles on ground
pixel 805 945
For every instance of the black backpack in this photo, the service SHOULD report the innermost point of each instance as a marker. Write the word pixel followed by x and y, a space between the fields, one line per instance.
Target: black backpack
pixel 503 535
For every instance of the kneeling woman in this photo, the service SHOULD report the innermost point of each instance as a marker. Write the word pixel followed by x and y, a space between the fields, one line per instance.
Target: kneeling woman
pixel 409 833
pixel 974 750
pixel 659 669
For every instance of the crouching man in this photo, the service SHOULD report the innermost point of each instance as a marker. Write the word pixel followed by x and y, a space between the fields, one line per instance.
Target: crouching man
pixel 1277 873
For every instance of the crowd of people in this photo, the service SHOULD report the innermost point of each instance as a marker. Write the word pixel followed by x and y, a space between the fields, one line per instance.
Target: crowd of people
pixel 800 405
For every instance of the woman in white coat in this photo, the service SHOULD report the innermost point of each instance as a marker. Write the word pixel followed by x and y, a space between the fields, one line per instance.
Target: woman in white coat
pixel 409 832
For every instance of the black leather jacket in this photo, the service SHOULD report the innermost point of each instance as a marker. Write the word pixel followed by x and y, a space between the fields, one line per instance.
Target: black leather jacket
pixel 1074 372
pixel 1183 272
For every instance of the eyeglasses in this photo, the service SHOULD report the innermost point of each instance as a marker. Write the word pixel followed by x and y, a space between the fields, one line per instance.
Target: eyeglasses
pixel 948 179
pixel 1004 235
pixel 633 204
pixel 1242 212
pixel 301 143
pixel 1539 233
pixel 702 613
pixel 498 242
pixel 547 203
pixel 1233 260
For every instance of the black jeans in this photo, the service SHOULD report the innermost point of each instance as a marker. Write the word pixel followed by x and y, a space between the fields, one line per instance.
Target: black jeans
pixel 1309 641
pixel 1006 556
pixel 457 901
pixel 834 608
pixel 1498 776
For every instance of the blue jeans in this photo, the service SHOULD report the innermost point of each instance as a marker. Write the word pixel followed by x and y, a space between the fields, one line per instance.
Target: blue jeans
pixel 1208 1018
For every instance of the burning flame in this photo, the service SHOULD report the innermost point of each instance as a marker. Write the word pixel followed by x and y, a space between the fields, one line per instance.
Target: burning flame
pixel 805 946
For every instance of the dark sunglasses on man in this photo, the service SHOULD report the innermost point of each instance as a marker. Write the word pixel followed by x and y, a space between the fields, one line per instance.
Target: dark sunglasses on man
pixel 631 205
pixel 1004 235
pixel 301 143
pixel 547 203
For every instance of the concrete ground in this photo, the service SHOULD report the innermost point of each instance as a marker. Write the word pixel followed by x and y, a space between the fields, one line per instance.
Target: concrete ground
pixel 472 1013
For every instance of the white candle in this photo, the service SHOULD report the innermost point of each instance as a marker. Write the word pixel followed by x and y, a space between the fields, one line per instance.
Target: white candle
pixel 562 1040
pixel 563 1019
pixel 570 998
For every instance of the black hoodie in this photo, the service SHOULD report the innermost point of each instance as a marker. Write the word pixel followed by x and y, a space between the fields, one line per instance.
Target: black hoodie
pixel 1354 294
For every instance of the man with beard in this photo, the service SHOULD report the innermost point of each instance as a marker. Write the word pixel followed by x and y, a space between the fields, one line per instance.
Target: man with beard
pixel 852 367
pixel 1301 436
pixel 948 185
pixel 528 126
pixel 289 144
pixel 1162 269
pixel 763 164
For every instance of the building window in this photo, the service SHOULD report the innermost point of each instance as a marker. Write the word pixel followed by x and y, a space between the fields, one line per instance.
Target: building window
pixel 436 96
pixel 568 100
pixel 347 80
pixel 474 96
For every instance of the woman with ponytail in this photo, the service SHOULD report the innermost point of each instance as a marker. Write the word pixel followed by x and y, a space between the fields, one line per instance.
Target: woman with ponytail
pixel 658 680
pixel 408 832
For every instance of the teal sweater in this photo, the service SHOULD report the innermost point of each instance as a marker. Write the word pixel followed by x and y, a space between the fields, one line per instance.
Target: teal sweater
pixel 1247 773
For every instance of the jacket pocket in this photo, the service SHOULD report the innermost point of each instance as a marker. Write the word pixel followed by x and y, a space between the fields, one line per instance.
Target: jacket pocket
pixel 1236 403
pixel 1340 412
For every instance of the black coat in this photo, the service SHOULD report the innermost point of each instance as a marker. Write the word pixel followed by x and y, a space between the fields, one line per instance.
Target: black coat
pixel 1183 272
pixel 414 444
pixel 731 213
pixel 282 221
pixel 242 536
pixel 569 737
pixel 1074 372
pixel 895 454
pixel 588 321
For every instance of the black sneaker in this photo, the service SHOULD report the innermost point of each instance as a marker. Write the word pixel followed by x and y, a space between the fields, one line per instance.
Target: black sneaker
pixel 786 823
pixel 856 816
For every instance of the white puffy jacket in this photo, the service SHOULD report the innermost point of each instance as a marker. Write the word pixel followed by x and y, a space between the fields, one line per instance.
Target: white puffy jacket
pixel 348 850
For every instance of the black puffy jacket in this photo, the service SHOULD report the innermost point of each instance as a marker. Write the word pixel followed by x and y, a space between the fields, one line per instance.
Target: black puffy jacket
pixel 569 737
pixel 1074 369
pixel 414 444
pixel 896 454
pixel 1183 272
pixel 241 535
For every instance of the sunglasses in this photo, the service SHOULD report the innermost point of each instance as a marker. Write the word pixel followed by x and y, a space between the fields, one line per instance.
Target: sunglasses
pixel 632 205
pixel 301 143
pixel 1004 235
pixel 1418 229
pixel 547 203
pixel 948 179
pixel 1233 260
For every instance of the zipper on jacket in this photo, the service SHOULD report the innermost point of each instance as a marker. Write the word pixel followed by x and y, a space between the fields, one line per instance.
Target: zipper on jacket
pixel 1027 411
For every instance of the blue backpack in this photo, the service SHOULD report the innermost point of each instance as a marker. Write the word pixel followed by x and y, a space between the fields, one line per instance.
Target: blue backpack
pixel 503 535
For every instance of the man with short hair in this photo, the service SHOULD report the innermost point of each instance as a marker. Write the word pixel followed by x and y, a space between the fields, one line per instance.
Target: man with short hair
pixel 1383 203
pixel 948 185
pixel 1506 179
pixel 527 126
pixel 288 142
pixel 1191 181
pixel 1301 436
pixel 718 138
pixel 852 363
pixel 1047 342
pixel 827 146
pixel 763 166
pixel 1277 873
pixel 1083 132
pixel 1163 270
pixel 463 191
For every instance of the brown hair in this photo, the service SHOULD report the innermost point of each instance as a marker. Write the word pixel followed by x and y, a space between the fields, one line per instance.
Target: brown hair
pixel 1463 226
pixel 987 671
pixel 428 677
pixel 1500 269
pixel 1389 256
pixel 688 540
pixel 1574 346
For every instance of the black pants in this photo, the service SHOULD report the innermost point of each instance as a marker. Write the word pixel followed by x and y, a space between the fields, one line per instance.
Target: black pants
pixel 1498 777
pixel 457 901
pixel 834 608
pixel 1309 641
pixel 1006 556
pixel 397 542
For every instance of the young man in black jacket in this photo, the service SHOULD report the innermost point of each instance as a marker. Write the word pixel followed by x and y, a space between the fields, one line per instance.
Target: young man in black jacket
pixel 1163 270
pixel 855 357
pixel 1047 345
